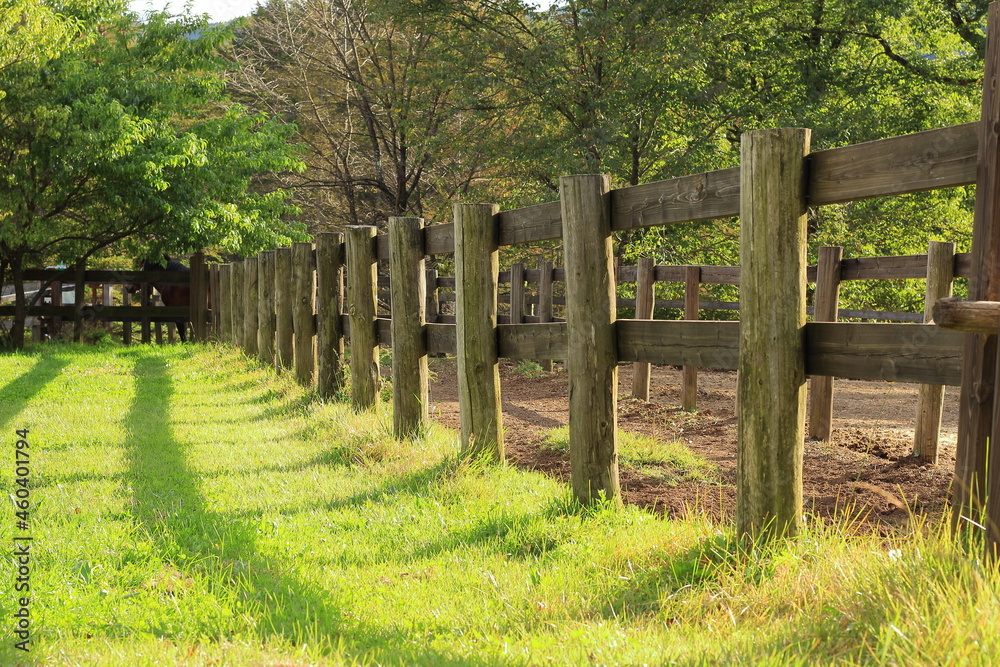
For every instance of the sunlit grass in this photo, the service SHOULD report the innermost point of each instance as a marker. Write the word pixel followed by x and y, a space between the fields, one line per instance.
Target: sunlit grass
pixel 668 459
pixel 193 508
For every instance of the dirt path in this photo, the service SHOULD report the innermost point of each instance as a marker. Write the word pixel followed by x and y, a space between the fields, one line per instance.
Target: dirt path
pixel 866 469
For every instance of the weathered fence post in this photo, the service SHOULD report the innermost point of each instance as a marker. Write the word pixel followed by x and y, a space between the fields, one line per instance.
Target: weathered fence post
pixel 265 307
pixel 158 327
pixel 251 296
pixel 284 343
pixel 409 349
pixel 79 297
pixel 644 302
pixel 108 300
pixel 771 385
pixel 361 305
pixel 126 324
pixel 689 374
pixel 199 296
pixel 236 286
pixel 477 267
pixel 545 300
pixel 215 298
pixel 517 293
pixel 591 308
pixel 303 324
pixel 825 309
pixel 226 303
pixel 329 306
pixel 930 399
pixel 55 289
pixel 976 426
pixel 433 302
pixel 145 301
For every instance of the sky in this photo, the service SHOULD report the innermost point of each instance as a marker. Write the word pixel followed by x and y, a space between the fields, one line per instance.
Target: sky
pixel 219 10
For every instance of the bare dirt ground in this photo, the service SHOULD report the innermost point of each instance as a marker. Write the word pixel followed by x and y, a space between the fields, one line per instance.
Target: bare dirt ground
pixel 867 469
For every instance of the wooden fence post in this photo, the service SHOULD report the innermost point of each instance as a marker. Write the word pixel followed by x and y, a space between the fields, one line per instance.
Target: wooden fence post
pixel 251 296
pixel 477 267
pixel 329 306
pixel 199 296
pixel 771 385
pixel 591 307
pixel 433 303
pixel 215 299
pixel 126 324
pixel 265 307
pixel 79 297
pixel 409 349
pixel 158 332
pixel 517 293
pixel 689 374
pixel 545 270
pixel 644 302
pixel 930 399
pixel 303 324
pixel 55 289
pixel 108 299
pixel 145 301
pixel 237 282
pixel 226 303
pixel 825 309
pixel 361 307
pixel 284 342
pixel 976 425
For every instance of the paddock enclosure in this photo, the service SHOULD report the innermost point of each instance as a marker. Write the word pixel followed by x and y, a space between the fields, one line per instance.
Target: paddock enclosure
pixel 773 346
pixel 298 307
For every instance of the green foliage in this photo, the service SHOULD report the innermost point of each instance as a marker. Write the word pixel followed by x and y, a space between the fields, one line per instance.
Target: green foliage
pixel 124 136
pixel 529 368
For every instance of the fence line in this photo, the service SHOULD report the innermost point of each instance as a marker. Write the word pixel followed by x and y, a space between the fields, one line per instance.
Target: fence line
pixel 773 346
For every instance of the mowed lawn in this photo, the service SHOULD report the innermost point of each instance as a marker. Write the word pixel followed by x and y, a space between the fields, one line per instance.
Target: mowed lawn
pixel 191 507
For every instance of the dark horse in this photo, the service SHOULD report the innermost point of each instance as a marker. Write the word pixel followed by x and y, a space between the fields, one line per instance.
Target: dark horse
pixel 172 295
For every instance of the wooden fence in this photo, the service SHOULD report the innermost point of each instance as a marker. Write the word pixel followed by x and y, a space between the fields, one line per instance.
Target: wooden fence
pixel 108 288
pixel 772 346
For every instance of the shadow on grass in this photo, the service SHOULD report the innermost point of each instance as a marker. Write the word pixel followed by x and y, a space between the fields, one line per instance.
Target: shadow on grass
pixel 167 498
pixel 14 396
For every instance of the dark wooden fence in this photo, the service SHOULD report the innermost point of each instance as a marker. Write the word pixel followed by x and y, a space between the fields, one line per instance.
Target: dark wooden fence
pixel 104 297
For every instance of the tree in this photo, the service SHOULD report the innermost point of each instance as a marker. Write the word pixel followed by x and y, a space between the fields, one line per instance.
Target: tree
pixel 126 136
pixel 31 32
pixel 385 100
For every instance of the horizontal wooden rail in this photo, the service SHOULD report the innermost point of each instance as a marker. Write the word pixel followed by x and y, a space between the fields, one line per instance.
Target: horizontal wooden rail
pixel 106 313
pixel 69 276
pixel 940 158
pixel 920 353
pixel 862 268
pixel 981 317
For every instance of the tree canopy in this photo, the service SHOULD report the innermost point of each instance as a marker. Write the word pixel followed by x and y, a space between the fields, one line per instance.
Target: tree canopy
pixel 125 136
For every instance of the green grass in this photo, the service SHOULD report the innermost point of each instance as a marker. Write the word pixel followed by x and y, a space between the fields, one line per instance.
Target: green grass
pixel 669 460
pixel 192 508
